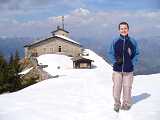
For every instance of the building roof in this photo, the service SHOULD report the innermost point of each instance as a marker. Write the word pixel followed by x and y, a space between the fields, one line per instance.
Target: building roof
pixel 66 38
pixel 55 36
pixel 79 58
pixel 58 28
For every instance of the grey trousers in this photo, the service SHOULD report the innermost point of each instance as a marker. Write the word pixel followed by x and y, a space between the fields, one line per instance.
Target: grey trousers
pixel 122 81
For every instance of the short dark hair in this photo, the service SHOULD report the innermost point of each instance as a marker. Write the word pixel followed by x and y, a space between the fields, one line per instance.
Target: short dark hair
pixel 123 23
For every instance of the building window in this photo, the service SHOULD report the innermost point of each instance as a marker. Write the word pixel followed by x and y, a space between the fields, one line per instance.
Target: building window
pixel 44 50
pixel 51 50
pixel 59 49
pixel 34 53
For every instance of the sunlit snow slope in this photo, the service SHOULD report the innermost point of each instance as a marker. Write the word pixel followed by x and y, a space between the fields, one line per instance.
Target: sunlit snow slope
pixel 80 94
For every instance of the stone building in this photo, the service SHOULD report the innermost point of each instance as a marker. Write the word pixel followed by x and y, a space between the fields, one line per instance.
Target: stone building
pixel 58 43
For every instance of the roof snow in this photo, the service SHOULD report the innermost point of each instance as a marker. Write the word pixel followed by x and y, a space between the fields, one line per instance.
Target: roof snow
pixel 59 36
pixel 66 38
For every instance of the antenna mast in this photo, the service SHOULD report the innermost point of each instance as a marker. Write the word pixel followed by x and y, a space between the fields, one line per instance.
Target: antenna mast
pixel 63 22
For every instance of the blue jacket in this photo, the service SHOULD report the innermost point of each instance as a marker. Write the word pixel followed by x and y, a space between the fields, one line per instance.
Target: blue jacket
pixel 127 49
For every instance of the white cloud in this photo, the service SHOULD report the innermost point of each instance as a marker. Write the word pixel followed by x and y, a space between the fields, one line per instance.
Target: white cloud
pixel 81 12
pixel 86 23
pixel 20 5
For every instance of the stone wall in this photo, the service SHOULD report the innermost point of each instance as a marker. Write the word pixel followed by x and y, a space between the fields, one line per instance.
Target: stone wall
pixel 53 46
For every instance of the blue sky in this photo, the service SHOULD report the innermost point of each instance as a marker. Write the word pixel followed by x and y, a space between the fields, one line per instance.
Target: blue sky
pixel 36 18
pixel 122 4
pixel 40 9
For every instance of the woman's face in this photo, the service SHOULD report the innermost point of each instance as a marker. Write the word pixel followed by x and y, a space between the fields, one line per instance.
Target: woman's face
pixel 123 30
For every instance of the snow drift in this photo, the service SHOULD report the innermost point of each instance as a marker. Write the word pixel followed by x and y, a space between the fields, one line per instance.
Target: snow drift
pixel 80 94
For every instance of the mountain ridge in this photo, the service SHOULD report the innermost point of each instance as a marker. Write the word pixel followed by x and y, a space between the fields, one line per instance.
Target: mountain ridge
pixel 149 48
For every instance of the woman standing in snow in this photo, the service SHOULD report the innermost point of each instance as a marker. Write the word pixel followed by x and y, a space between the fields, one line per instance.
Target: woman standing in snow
pixel 123 54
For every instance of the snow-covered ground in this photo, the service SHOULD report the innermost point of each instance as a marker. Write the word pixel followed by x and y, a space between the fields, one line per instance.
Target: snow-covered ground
pixel 80 94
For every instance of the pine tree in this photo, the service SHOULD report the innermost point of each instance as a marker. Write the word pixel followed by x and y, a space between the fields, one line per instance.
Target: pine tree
pixel 3 71
pixel 11 59
pixel 11 74
pixel 10 80
pixel 15 69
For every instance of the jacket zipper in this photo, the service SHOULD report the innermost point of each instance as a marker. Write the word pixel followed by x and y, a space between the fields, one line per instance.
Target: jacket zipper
pixel 123 53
